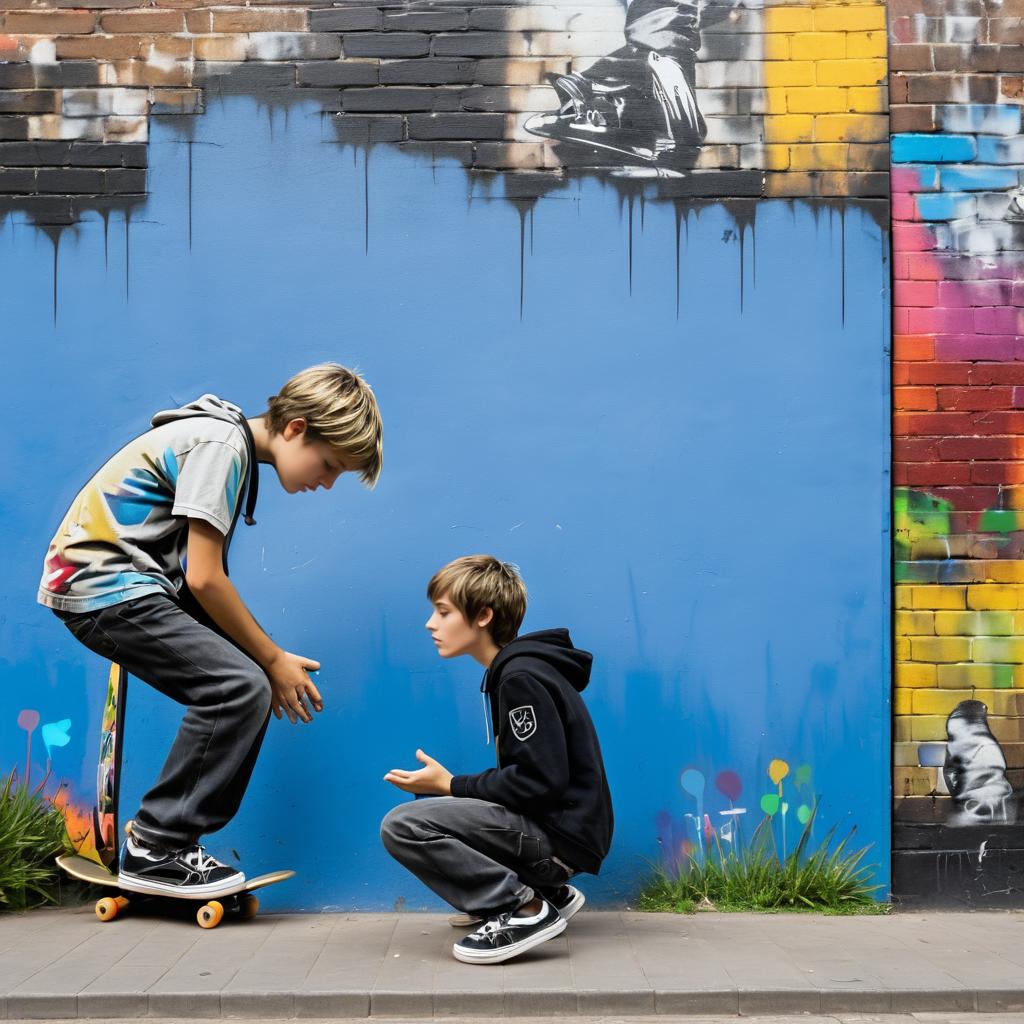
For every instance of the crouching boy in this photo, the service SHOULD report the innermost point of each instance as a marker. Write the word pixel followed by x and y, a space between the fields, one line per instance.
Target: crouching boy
pixel 502 845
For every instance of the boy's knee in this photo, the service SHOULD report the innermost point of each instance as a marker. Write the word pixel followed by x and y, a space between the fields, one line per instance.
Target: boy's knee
pixel 399 824
pixel 254 692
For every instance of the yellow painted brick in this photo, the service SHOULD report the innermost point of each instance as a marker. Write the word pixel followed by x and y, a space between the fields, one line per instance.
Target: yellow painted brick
pixel 903 701
pixel 941 649
pixel 1009 571
pixel 775 157
pixel 868 99
pixel 850 72
pixel 996 596
pixel 788 19
pixel 910 674
pixel 960 677
pixel 947 598
pixel 823 156
pixel 815 100
pixel 851 128
pixel 938 702
pixel 817 46
pixel 927 728
pixel 866 44
pixel 999 648
pixel 852 18
pixel 905 754
pixel 914 781
pixel 775 47
pixel 800 128
pixel 904 597
pixel 917 623
pixel 901 731
pixel 789 72
pixel 901 648
pixel 971 623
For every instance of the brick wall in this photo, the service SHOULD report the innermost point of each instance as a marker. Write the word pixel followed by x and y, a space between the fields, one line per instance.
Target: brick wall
pixel 794 95
pixel 958 251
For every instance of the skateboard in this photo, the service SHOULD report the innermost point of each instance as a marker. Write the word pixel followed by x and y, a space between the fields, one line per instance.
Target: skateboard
pixel 242 904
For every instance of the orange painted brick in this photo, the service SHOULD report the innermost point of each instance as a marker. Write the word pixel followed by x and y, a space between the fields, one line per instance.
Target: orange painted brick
pixel 912 347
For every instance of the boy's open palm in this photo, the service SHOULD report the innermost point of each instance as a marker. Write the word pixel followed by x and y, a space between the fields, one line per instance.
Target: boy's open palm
pixel 431 780
pixel 292 691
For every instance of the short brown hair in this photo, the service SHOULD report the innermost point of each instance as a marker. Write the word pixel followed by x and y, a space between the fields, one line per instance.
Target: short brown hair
pixel 339 407
pixel 475 582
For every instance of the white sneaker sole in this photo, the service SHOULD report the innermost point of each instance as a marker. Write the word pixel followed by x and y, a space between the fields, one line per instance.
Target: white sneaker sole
pixel 568 911
pixel 497 956
pixel 131 883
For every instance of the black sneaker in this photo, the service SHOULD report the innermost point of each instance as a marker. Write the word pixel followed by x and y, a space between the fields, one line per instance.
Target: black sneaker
pixel 508 935
pixel 567 900
pixel 186 873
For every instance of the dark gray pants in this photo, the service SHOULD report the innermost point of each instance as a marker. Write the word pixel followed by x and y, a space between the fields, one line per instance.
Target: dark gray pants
pixel 227 695
pixel 480 857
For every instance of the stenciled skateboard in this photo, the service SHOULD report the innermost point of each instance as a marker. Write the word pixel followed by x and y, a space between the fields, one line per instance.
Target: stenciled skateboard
pixel 241 904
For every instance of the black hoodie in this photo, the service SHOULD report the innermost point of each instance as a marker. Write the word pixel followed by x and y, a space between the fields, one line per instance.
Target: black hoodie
pixel 549 761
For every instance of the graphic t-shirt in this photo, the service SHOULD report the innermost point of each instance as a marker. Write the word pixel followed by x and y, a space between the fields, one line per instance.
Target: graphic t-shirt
pixel 126 533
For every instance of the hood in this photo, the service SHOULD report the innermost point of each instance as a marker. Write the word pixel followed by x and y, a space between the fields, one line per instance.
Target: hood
pixel 553 646
pixel 207 405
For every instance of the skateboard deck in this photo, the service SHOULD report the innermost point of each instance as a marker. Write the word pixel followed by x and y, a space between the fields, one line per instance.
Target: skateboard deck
pixel 240 902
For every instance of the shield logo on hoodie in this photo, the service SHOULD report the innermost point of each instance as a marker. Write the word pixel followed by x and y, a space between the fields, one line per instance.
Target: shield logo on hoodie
pixel 523 722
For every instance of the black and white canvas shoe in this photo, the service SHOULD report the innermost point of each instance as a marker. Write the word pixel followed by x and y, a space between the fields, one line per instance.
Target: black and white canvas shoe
pixel 507 935
pixel 566 899
pixel 189 872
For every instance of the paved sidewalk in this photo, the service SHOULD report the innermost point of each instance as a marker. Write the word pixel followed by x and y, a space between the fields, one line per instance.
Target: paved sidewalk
pixel 64 963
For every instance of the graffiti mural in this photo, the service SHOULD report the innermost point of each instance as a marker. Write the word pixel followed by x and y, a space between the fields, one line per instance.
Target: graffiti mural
pixel 958 241
pixel 477 204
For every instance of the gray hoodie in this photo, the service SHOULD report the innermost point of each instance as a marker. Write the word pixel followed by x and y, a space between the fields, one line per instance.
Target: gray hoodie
pixel 126 532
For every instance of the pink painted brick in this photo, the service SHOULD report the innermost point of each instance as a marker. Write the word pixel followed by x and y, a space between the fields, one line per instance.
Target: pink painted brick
pixel 974 293
pixel 956 348
pixel 924 266
pixel 1018 398
pixel 915 293
pixel 912 237
pixel 910 179
pixel 996 320
pixel 901 320
pixel 941 321
pixel 1018 294
pixel 904 207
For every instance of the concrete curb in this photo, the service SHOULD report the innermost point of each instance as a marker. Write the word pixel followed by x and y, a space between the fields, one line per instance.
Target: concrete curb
pixel 526 1003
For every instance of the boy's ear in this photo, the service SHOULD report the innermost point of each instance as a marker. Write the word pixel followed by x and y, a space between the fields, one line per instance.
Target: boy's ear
pixel 485 618
pixel 294 428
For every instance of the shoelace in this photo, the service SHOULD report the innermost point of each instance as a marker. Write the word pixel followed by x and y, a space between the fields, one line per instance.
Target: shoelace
pixel 201 860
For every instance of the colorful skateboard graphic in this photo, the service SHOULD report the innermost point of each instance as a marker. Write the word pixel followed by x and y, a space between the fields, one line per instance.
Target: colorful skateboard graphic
pixel 99 842
pixel 241 904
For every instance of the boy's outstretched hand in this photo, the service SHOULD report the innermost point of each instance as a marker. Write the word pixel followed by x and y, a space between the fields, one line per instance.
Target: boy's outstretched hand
pixel 431 780
pixel 292 691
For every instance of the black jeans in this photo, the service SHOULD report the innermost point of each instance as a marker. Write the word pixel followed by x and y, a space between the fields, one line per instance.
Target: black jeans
pixel 480 857
pixel 227 695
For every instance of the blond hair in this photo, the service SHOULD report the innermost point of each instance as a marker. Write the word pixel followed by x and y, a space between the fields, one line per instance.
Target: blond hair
pixel 476 582
pixel 339 407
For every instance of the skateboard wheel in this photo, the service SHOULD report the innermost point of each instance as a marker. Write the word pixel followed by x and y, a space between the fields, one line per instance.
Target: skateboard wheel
pixel 248 907
pixel 209 915
pixel 108 907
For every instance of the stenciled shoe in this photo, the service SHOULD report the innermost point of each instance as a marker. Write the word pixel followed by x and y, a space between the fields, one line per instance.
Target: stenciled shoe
pixel 651 116
pixel 188 873
pixel 508 935
pixel 567 900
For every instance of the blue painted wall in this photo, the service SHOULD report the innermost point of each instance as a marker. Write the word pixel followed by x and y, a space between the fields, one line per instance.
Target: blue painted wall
pixel 701 497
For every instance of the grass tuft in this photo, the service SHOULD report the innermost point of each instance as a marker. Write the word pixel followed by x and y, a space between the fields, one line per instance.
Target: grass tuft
pixel 829 879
